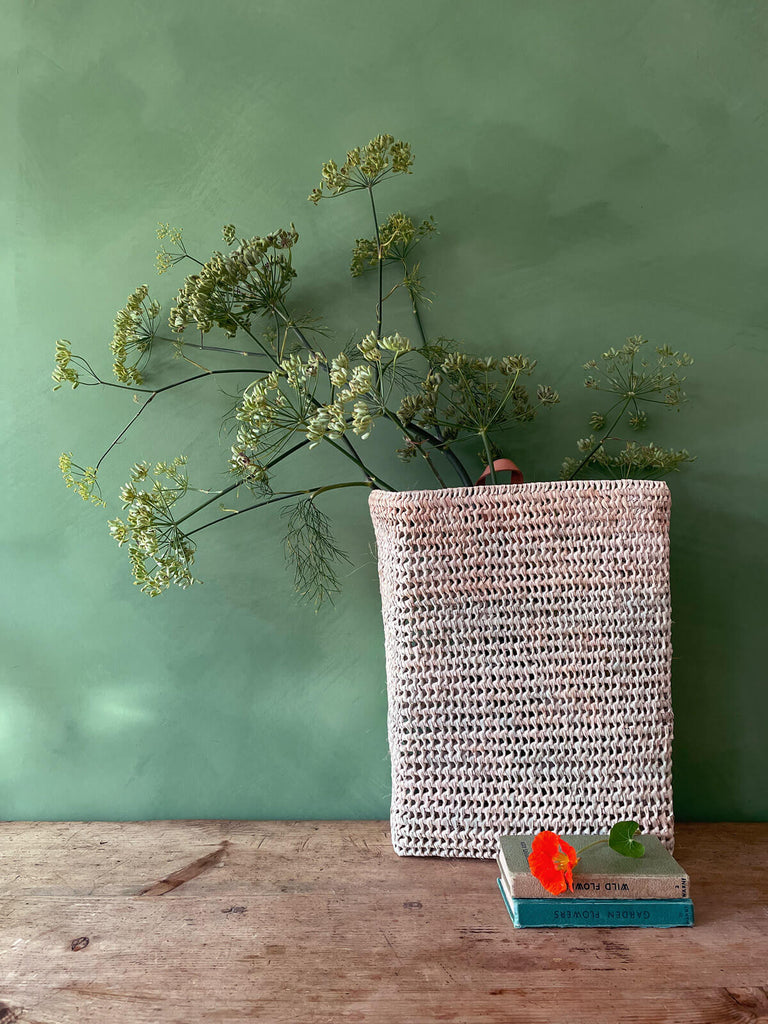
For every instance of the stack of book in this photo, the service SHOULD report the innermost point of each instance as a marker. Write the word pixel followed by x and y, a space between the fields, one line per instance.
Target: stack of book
pixel 609 891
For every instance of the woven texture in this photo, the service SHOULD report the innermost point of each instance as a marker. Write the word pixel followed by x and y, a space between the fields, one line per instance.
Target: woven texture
pixel 527 632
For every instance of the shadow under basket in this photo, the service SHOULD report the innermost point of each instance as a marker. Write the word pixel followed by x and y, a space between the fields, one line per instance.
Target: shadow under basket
pixel 527 632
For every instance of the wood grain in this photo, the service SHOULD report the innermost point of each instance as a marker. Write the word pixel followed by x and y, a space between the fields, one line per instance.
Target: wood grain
pixel 321 923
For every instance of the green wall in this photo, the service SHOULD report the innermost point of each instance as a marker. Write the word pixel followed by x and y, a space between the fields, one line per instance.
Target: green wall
pixel 597 169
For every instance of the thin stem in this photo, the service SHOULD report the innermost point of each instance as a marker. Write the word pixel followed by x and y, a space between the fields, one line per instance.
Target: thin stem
pixel 418 321
pixel 258 341
pixel 313 492
pixel 439 446
pixel 428 459
pixel 423 451
pixel 380 261
pixel 207 373
pixel 335 487
pixel 489 456
pixel 217 496
pixel 600 443
pixel 597 842
pixel 211 348
pixel 249 508
pixel 125 429
pixel 371 476
pixel 159 391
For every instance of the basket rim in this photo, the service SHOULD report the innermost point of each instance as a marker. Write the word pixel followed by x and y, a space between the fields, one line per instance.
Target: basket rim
pixel 379 497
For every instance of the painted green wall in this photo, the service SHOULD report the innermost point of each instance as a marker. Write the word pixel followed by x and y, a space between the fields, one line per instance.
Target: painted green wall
pixel 597 169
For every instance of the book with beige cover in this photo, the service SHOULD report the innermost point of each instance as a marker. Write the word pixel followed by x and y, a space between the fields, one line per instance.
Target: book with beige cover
pixel 600 874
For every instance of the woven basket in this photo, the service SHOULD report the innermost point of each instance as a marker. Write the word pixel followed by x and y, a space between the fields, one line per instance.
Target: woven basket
pixel 527 633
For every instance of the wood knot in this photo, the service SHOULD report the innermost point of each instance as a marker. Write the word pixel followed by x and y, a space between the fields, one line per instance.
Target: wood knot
pixel 77 944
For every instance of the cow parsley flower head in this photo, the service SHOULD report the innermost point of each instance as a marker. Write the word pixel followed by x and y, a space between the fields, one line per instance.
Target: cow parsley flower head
pixel 258 271
pixel 395 343
pixel 164 259
pixel 63 371
pixel 364 167
pixel 159 552
pixel 398 236
pixel 135 329
pixel 81 479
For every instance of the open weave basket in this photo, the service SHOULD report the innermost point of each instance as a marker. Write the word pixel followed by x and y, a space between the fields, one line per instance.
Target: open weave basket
pixel 527 633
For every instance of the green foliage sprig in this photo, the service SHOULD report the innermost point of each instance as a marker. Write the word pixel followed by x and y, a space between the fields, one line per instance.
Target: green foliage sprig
pixel 436 399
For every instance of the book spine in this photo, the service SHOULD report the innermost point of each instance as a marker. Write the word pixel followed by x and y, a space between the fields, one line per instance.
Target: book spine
pixel 534 913
pixel 605 887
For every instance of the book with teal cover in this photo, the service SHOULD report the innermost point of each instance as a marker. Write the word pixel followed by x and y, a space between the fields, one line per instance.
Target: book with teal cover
pixel 604 913
pixel 601 874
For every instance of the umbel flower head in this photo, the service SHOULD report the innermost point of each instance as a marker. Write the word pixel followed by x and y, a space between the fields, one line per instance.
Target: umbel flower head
pixel 135 328
pixel 81 479
pixel 63 370
pixel 364 167
pixel 252 278
pixel 398 237
pixel 552 861
pixel 159 552
pixel 632 379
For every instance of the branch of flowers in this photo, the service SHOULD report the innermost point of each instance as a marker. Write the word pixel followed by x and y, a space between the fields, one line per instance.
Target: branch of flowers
pixel 600 443
pixel 159 391
pixel 313 492
pixel 351 451
pixel 422 333
pixel 240 483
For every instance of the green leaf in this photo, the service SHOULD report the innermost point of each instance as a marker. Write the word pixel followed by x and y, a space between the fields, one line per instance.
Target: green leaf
pixel 621 839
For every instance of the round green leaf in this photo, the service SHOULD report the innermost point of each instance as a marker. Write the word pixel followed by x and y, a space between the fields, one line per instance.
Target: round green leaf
pixel 621 839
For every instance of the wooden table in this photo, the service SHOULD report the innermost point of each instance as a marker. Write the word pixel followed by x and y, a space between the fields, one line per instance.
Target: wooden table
pixel 320 923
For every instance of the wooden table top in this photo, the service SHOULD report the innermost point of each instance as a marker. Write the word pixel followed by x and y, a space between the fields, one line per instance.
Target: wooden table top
pixel 321 923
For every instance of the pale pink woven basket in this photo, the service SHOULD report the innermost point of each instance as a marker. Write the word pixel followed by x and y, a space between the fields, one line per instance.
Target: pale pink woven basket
pixel 527 632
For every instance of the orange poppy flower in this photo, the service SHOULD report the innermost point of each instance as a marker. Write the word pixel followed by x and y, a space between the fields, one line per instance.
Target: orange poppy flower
pixel 552 861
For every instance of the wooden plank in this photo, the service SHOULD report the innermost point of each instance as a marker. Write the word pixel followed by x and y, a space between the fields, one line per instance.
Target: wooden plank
pixel 317 922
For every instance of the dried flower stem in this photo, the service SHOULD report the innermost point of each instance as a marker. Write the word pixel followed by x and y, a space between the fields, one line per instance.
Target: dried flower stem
pixel 312 492
pixel 380 260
